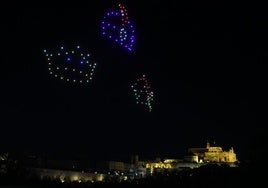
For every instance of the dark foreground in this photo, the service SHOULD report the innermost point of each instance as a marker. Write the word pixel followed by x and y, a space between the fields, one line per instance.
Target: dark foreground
pixel 207 176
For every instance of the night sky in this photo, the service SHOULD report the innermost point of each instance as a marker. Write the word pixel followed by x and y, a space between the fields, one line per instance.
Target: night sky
pixel 207 68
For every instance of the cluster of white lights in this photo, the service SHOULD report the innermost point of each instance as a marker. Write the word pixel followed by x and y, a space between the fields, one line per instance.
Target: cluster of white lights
pixel 123 35
pixel 142 92
pixel 116 26
pixel 73 66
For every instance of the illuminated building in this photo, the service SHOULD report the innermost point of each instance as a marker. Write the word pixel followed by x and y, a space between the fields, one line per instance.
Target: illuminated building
pixel 157 165
pixel 198 157
pixel 212 154
pixel 149 167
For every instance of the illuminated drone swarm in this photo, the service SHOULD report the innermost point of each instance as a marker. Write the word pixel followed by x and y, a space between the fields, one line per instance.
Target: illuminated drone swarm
pixel 117 27
pixel 142 92
pixel 124 14
pixel 73 66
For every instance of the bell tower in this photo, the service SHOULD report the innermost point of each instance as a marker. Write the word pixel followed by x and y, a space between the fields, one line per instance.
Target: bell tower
pixel 208 145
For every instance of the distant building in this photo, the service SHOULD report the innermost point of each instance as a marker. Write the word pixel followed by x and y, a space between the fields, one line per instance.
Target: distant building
pixel 191 158
pixel 152 165
pixel 112 166
pixel 143 168
pixel 211 154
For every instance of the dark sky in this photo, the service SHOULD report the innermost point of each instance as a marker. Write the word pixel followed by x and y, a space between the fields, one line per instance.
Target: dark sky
pixel 207 67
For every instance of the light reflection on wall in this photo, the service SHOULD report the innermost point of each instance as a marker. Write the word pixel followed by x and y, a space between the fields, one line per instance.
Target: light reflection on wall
pixel 69 176
pixel 160 165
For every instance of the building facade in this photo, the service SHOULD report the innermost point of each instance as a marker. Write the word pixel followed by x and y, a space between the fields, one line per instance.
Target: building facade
pixel 212 154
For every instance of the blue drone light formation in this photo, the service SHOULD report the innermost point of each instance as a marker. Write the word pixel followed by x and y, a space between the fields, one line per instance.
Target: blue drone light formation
pixel 142 92
pixel 74 66
pixel 117 27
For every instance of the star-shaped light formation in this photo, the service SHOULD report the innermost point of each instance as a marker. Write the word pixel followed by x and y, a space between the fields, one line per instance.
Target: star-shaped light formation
pixel 117 27
pixel 73 66
pixel 142 92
